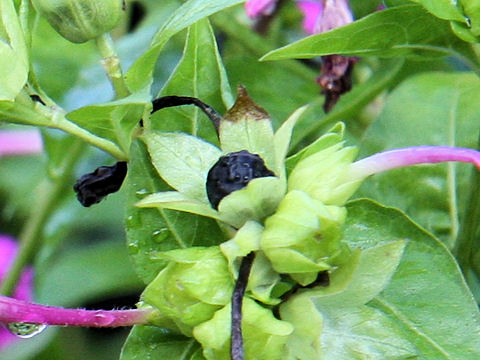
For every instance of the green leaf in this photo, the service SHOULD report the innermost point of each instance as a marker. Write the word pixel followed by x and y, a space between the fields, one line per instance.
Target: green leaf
pixel 148 342
pixel 444 9
pixel 200 73
pixel 444 114
pixel 400 31
pixel 282 140
pixel 472 11
pixel 343 333
pixel 10 24
pixel 140 74
pixel 182 160
pixel 335 321
pixel 13 72
pixel 361 276
pixel 175 200
pixel 152 230
pixel 427 296
pixel 362 8
pixel 65 282
pixel 115 121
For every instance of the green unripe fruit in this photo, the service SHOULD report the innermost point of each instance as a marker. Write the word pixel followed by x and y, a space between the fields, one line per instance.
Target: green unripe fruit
pixel 81 20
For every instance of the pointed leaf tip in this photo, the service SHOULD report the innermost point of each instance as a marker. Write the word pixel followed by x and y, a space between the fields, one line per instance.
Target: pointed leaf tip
pixel 245 107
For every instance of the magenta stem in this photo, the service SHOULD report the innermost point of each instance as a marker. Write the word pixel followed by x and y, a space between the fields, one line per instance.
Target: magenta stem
pixel 13 311
pixel 411 156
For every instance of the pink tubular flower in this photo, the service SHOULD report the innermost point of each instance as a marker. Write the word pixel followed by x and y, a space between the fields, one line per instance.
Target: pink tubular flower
pixel 397 158
pixel 23 291
pixel 22 142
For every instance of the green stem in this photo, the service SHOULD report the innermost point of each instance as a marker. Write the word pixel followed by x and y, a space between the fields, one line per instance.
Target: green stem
pixel 58 121
pixel 111 63
pixel 31 235
pixel 465 248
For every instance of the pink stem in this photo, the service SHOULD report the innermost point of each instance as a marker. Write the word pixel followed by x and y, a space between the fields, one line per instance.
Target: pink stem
pixel 13 311
pixel 411 156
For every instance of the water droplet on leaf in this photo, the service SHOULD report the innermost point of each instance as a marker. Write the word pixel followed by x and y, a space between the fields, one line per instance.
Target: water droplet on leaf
pixel 160 235
pixel 25 330
pixel 133 249
pixel 142 193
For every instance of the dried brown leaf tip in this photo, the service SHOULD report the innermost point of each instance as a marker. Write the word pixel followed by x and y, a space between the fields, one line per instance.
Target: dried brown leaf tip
pixel 245 108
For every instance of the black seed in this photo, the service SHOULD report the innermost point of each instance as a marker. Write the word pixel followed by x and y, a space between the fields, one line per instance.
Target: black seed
pixel 233 172
pixel 37 98
pixel 93 187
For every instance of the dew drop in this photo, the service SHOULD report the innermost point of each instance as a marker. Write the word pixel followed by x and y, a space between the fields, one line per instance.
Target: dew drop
pixel 133 221
pixel 133 248
pixel 159 236
pixel 142 193
pixel 25 330
pixel 103 319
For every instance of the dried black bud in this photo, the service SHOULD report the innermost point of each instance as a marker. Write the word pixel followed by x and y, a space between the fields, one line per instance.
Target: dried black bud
pixel 233 172
pixel 37 98
pixel 93 187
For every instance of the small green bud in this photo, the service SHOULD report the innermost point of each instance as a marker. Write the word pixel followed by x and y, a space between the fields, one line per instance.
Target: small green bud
pixel 322 175
pixel 192 287
pixel 81 20
pixel 303 236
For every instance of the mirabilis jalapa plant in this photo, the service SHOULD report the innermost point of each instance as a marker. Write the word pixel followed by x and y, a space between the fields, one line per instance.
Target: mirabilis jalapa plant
pixel 288 223
pixel 291 221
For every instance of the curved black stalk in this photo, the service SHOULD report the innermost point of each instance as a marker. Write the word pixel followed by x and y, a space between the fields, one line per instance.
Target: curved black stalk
pixel 170 101
pixel 236 346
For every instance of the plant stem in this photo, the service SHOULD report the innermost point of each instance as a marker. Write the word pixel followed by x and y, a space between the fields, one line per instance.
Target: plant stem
pixel 111 63
pixel 236 347
pixel 18 311
pixel 464 247
pixel 32 232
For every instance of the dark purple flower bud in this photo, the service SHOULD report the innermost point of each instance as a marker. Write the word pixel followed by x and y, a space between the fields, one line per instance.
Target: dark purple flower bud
pixel 93 187
pixel 233 172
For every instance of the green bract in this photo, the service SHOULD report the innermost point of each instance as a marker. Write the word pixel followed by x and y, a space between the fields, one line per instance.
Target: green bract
pixel 303 236
pixel 192 287
pixel 265 336
pixel 81 20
